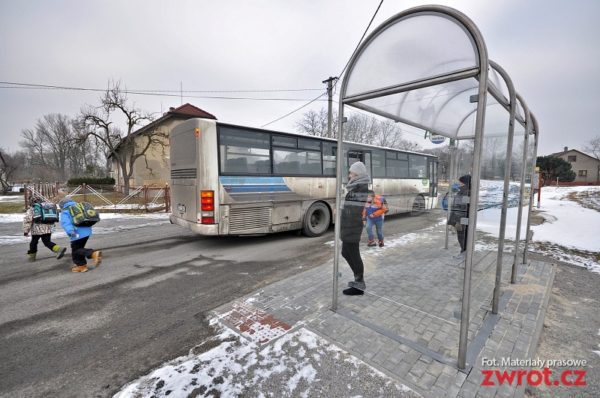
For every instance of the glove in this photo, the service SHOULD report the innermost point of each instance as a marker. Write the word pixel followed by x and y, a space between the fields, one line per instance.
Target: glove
pixel 25 233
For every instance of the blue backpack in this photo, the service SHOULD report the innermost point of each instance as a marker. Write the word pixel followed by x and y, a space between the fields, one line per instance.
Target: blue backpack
pixel 45 213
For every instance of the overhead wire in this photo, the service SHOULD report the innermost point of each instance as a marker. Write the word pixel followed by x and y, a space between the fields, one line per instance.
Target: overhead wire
pixel 160 93
pixel 339 75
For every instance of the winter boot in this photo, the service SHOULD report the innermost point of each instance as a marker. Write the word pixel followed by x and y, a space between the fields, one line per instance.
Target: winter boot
pixel 31 257
pixel 60 252
pixel 381 243
pixel 371 243
pixel 79 268
pixel 97 257
pixel 460 256
pixel 352 291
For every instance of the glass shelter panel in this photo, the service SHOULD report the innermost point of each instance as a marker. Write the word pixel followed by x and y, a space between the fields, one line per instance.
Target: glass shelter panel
pixel 440 108
pixel 419 46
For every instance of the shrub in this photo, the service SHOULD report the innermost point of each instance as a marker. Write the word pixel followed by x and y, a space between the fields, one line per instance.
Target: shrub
pixel 91 181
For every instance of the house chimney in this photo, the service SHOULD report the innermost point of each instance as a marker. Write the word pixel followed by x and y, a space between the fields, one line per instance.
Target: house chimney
pixel 566 148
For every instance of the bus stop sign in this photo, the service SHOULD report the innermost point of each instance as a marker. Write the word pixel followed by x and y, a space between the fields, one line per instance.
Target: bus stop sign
pixel 437 139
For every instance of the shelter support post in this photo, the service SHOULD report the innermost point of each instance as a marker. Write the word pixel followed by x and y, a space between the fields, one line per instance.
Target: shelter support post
pixel 338 207
pixel 531 196
pixel 506 190
pixel 473 200
pixel 451 177
pixel 513 276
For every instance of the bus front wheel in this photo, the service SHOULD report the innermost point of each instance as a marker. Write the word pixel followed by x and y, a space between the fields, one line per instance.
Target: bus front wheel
pixel 316 220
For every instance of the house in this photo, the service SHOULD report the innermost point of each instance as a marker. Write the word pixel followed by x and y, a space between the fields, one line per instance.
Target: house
pixel 154 169
pixel 586 167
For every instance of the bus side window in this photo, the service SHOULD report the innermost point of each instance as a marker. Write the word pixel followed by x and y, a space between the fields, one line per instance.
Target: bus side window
pixel 417 166
pixel 329 158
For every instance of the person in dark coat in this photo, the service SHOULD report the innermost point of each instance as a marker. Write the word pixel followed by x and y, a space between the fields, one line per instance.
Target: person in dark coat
pixel 351 225
pixel 459 210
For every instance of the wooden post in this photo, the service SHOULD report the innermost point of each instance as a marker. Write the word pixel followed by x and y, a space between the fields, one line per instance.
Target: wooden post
pixel 167 199
pixel 84 185
pixel 146 197
pixel 26 195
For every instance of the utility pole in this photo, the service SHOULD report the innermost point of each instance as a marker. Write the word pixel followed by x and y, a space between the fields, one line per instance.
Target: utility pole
pixel 329 104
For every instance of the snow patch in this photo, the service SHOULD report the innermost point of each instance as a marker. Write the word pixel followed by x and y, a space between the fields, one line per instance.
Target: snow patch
pixel 237 365
pixel 12 199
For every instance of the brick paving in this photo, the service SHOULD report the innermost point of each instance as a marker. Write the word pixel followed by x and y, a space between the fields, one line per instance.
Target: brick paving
pixel 407 323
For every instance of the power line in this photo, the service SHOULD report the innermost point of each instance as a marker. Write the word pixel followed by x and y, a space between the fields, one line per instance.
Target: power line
pixel 294 111
pixel 361 39
pixel 158 93
pixel 343 70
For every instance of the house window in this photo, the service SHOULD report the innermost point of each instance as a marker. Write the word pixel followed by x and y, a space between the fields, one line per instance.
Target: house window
pixel 572 158
pixel 582 173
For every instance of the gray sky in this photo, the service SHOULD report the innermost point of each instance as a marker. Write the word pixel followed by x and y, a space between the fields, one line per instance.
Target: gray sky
pixel 550 48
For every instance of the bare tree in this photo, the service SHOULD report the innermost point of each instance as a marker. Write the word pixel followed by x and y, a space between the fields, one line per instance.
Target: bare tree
pixel 8 167
pixel 360 128
pixel 593 147
pixel 122 144
pixel 315 123
pixel 50 144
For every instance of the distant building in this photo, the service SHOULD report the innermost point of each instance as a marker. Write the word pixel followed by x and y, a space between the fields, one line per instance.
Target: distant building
pixel 586 167
pixel 154 169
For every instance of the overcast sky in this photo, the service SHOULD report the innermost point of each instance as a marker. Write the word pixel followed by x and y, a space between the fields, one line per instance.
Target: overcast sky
pixel 550 48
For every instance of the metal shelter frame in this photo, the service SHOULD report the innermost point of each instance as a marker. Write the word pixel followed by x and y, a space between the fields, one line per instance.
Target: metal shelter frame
pixel 480 73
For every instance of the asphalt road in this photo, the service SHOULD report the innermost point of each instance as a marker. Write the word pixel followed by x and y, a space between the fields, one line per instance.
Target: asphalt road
pixel 86 335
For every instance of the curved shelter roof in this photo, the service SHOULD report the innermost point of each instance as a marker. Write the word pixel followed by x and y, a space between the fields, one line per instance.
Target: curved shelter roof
pixel 423 67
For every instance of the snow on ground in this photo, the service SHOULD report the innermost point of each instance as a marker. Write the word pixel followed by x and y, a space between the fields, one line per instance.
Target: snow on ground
pixel 299 364
pixel 567 222
pixel 488 221
pixel 12 199
pixel 109 223
pixel 570 231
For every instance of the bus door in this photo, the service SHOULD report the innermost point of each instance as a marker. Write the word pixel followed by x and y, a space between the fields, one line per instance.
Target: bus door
pixel 432 166
pixel 355 155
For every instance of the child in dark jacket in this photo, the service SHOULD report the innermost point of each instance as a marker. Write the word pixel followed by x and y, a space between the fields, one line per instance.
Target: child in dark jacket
pixel 459 213
pixel 79 237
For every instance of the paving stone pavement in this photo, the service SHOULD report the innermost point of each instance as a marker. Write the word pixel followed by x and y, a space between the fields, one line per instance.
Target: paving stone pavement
pixel 407 324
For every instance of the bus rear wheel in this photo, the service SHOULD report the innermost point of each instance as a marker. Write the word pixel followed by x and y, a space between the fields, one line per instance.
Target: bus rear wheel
pixel 316 220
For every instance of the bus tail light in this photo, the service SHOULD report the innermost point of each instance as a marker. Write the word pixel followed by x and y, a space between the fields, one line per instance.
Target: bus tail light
pixel 207 205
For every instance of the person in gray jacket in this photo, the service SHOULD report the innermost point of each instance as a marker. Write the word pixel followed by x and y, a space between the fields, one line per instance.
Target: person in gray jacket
pixel 351 225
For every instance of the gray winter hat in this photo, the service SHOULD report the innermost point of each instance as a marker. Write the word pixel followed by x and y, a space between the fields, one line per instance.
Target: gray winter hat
pixel 359 169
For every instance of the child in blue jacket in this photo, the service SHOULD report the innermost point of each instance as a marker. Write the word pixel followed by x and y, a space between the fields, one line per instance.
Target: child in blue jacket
pixel 79 237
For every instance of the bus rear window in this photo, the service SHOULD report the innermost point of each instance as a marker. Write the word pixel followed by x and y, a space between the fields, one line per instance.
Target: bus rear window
pixel 244 151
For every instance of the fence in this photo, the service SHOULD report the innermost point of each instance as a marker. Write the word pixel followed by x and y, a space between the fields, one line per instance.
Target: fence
pixel 553 183
pixel 145 198
pixel 43 190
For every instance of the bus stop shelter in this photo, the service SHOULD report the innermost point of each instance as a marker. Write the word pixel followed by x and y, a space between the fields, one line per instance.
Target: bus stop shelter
pixel 428 67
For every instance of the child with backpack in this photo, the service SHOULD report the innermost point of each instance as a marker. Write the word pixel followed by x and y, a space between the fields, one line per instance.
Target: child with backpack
pixel 39 220
pixel 373 214
pixel 77 219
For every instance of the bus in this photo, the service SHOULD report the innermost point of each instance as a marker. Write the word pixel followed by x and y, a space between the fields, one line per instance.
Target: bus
pixel 233 180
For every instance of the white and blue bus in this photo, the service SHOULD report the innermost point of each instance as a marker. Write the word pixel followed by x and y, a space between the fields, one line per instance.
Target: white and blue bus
pixel 235 180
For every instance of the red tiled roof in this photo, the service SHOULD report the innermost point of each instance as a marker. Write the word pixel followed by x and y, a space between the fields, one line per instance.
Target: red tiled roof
pixel 191 110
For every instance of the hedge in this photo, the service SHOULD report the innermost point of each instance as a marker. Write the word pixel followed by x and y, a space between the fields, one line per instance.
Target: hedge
pixel 91 181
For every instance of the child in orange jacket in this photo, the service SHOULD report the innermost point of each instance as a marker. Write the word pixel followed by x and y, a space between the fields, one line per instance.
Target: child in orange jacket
pixel 373 215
